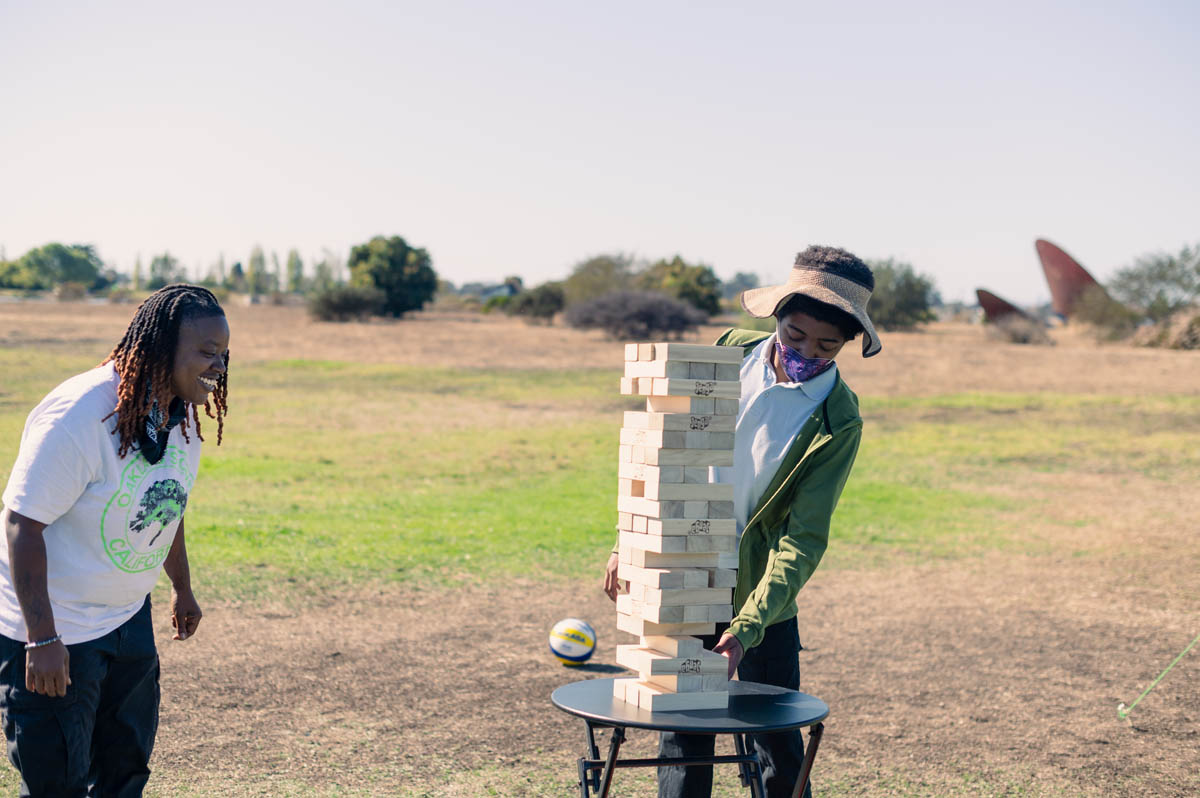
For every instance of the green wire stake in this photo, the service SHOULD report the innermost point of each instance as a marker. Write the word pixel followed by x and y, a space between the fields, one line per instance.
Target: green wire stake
pixel 1123 711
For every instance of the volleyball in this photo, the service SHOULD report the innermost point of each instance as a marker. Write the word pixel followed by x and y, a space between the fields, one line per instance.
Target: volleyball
pixel 572 641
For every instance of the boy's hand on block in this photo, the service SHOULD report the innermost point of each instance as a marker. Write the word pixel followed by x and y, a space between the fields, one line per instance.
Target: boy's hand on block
pixel 731 647
pixel 610 577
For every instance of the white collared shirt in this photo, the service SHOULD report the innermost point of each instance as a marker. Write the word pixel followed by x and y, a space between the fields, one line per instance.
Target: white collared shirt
pixel 770 415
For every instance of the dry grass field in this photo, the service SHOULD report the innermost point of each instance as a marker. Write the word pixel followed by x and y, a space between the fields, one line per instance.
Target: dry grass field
pixel 990 672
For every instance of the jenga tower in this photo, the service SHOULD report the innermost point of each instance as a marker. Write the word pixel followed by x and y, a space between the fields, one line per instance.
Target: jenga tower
pixel 678 544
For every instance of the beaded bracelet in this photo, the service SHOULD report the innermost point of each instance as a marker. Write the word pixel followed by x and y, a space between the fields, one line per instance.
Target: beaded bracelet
pixel 40 643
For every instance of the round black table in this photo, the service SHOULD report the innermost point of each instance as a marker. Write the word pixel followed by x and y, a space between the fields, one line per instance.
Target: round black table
pixel 753 709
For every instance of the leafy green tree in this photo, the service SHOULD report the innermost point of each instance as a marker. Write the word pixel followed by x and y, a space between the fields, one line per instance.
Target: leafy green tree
pixel 137 273
pixel 538 304
pixel 697 285
pixel 403 273
pixel 164 270
pixel 598 276
pixel 902 299
pixel 295 272
pixel 256 272
pixel 55 263
pixel 1159 284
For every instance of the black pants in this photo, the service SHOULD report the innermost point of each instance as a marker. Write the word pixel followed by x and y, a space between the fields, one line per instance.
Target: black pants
pixel 773 661
pixel 97 739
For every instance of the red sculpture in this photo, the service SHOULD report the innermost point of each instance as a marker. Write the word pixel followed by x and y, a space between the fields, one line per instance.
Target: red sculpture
pixel 995 308
pixel 1066 278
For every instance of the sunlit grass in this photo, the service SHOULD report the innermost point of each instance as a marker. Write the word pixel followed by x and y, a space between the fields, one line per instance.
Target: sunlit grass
pixel 334 473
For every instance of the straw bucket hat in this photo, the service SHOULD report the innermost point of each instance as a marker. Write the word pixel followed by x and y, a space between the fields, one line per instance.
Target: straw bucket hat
pixel 843 293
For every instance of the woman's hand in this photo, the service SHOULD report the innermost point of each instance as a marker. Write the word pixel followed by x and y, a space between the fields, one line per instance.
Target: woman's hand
pixel 48 669
pixel 610 576
pixel 731 647
pixel 185 614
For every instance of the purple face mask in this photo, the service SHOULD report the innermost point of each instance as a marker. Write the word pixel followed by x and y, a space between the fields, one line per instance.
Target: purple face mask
pixel 798 367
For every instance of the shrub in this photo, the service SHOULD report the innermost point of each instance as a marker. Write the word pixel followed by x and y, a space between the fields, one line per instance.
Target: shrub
pixel 495 303
pixel 1017 329
pixel 595 277
pixel 635 315
pixel 1160 284
pixel 697 285
pixel 538 304
pixel 1110 318
pixel 1180 331
pixel 346 302
pixel 902 299
pixel 70 291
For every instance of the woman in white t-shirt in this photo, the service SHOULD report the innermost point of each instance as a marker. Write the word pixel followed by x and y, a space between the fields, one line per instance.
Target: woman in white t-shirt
pixel 93 512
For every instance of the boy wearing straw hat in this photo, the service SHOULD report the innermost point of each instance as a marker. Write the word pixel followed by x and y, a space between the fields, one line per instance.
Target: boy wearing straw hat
pixel 798 430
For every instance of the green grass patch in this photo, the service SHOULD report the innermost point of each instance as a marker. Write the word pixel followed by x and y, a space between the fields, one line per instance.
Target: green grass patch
pixel 339 473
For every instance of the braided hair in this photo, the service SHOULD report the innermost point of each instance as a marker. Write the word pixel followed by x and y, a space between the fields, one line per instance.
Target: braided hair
pixel 145 359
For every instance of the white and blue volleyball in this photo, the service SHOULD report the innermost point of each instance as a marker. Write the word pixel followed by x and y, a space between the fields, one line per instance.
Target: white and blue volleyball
pixel 573 641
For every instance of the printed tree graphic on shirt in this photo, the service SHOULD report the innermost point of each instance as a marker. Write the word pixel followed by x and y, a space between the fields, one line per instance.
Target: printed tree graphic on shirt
pixel 161 504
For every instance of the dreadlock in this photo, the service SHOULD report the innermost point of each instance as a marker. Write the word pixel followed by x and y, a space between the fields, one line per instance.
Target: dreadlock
pixel 145 358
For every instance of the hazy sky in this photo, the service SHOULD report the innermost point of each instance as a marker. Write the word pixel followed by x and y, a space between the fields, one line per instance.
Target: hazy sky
pixel 521 137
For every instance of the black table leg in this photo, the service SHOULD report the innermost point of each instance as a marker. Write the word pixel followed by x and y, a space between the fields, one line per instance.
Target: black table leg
pixel 614 745
pixel 749 773
pixel 814 740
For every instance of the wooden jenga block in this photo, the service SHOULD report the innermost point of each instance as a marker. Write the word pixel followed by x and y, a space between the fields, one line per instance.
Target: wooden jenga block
pixel 621 690
pixel 641 627
pixel 690 405
pixel 660 368
pixel 686 683
pixel 700 371
pixel 719 510
pixel 724 407
pixel 665 577
pixel 670 439
pixel 678 491
pixel 646 352
pixel 631 352
pixel 695 474
pixel 649 473
pixel 628 386
pixel 672 386
pixel 695 526
pixel 727 371
pixel 718 613
pixel 640 523
pixel 655 699
pixel 677 646
pixel 624 555
pixel 638 419
pixel 720 577
pixel 709 559
pixel 684 457
pixel 681 596
pixel 628 605
pixel 647 660
pixel 673 682
pixel 696 353
pixel 678 544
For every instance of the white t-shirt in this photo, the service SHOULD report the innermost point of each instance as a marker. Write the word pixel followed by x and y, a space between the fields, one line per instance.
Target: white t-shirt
pixel 110 521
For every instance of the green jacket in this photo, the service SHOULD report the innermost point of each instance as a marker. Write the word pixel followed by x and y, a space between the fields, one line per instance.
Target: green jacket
pixel 788 531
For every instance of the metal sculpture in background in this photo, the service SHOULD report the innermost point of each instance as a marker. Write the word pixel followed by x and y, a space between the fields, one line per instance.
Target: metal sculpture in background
pixel 996 308
pixel 1068 280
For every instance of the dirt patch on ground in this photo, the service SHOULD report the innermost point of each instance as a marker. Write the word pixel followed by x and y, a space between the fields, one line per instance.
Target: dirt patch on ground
pixel 1005 666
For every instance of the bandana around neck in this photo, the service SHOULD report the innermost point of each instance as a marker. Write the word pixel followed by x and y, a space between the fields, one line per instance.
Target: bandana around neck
pixel 153 441
pixel 798 367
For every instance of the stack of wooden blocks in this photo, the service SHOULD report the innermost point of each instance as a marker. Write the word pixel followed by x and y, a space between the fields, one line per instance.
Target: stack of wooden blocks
pixel 678 544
